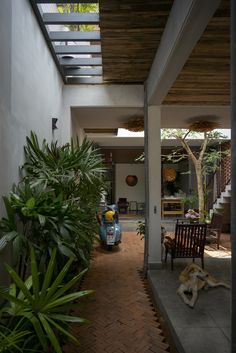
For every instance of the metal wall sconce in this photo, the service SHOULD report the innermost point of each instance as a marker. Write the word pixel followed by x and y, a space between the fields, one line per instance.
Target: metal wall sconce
pixel 54 124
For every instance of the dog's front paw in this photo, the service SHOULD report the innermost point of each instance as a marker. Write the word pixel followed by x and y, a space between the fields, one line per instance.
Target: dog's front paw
pixel 191 305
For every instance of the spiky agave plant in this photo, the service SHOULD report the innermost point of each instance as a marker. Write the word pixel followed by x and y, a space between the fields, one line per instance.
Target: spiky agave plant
pixel 44 302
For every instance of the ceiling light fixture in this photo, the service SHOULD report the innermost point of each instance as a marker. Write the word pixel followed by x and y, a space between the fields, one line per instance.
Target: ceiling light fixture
pixel 204 126
pixel 135 124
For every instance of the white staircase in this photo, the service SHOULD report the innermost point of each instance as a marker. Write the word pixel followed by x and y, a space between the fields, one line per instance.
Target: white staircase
pixel 222 200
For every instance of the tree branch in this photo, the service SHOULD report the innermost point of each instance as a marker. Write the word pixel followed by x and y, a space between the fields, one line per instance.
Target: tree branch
pixel 204 146
pixel 188 150
pixel 188 132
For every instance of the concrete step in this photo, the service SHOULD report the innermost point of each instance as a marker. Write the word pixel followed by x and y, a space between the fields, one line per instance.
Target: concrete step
pixel 226 194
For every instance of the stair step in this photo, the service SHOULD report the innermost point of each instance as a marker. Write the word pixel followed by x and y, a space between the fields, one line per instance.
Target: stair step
pixel 226 194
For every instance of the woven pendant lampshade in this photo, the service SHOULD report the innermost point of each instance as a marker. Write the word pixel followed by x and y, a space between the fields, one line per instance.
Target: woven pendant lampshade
pixel 135 124
pixel 169 174
pixel 203 126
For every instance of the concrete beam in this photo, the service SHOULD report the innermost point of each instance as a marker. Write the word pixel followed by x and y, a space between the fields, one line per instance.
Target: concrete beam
pixel 84 80
pixel 187 21
pixel 76 36
pixel 95 71
pixel 65 1
pixel 70 18
pixel 77 49
pixel 80 61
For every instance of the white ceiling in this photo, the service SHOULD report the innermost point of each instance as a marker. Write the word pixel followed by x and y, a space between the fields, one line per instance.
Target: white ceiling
pixel 97 117
pixel 172 117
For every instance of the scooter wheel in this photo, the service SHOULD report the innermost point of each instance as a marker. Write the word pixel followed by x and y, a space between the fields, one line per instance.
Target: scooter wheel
pixel 109 247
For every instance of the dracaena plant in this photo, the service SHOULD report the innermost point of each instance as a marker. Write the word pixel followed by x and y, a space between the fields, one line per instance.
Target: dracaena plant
pixel 12 341
pixel 36 217
pixel 67 169
pixel 44 302
pixel 55 203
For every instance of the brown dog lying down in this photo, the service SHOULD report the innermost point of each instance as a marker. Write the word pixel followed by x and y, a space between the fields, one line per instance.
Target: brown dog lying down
pixel 193 278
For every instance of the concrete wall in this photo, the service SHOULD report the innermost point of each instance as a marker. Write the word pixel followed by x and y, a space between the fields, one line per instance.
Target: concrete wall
pixel 98 96
pixel 132 193
pixel 30 87
pixel 76 130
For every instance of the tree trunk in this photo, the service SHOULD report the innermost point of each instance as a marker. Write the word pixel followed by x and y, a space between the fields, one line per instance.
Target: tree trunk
pixel 200 188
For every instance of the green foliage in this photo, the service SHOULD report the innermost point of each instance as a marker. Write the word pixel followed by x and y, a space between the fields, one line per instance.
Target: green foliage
pixel 44 221
pixel 12 341
pixel 43 302
pixel 177 133
pixel 67 169
pixel 55 204
pixel 191 201
pixel 141 229
pixel 50 217
pixel 79 8
pixel 211 160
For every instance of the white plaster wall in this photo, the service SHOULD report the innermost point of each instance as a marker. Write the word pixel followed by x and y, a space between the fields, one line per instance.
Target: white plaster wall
pixel 98 96
pixel 5 108
pixel 76 130
pixel 5 91
pixel 30 87
pixel 132 193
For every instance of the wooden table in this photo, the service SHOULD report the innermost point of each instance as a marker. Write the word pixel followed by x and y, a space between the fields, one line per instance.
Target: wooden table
pixel 172 206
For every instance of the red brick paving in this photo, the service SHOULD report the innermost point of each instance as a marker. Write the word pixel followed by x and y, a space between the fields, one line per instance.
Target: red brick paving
pixel 121 315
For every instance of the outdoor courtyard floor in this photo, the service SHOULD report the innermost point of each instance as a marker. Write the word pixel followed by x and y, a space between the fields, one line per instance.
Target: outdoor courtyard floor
pixel 206 328
pixel 122 317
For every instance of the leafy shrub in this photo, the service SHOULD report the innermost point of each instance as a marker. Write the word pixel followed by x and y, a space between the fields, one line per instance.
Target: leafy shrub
pixel 43 302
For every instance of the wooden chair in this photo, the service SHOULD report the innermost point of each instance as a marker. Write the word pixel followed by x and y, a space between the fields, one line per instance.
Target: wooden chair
pixel 122 205
pixel 133 206
pixel 214 229
pixel 189 242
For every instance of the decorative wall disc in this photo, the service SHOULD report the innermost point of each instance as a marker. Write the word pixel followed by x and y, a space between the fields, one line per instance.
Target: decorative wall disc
pixel 131 180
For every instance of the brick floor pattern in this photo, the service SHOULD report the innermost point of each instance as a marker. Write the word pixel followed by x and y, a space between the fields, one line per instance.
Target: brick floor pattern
pixel 122 317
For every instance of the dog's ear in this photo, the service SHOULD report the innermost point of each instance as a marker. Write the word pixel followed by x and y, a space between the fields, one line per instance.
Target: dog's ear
pixel 190 268
pixel 185 273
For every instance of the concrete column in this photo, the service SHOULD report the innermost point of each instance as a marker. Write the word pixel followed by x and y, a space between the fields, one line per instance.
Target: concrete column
pixel 153 192
pixel 233 174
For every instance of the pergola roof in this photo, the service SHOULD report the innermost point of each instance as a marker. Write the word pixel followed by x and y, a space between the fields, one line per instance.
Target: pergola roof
pixel 131 32
pixel 205 78
pixel 122 52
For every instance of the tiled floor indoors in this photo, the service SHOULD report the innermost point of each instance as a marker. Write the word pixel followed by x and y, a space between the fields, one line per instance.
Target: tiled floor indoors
pixel 122 317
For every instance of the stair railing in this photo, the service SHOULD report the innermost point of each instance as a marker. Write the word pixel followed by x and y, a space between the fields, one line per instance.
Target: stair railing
pixel 219 180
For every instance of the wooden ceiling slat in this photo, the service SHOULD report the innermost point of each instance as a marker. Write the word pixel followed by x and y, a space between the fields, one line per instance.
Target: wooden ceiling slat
pixel 131 31
pixel 205 78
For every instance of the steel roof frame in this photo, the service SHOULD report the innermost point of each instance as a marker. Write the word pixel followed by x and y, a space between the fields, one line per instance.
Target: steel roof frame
pixel 75 68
